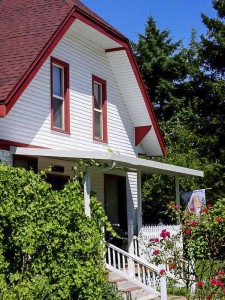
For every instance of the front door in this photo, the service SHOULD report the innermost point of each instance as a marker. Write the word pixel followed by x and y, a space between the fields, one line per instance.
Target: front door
pixel 116 201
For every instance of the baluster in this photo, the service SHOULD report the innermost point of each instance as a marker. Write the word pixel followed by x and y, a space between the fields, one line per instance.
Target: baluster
pixel 118 260
pixel 124 264
pixel 139 273
pixel 143 275
pixel 109 256
pixel 154 280
pixel 114 259
pixel 149 277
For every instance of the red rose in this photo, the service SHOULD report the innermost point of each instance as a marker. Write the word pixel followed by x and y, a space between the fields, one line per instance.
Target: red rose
pixel 172 266
pixel 209 297
pixel 156 240
pixel 209 205
pixel 205 209
pixel 200 284
pixel 162 272
pixel 156 252
pixel 176 207
pixel 194 223
pixel 219 283
pixel 221 272
pixel 213 282
pixel 192 209
pixel 151 240
pixel 219 219
pixel 187 231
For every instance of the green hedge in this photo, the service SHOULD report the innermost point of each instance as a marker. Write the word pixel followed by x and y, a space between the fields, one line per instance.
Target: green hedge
pixel 49 249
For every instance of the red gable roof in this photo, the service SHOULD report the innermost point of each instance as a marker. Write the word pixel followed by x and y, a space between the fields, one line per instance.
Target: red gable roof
pixel 29 31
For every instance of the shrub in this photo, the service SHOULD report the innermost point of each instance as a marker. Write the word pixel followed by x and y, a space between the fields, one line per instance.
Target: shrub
pixel 49 249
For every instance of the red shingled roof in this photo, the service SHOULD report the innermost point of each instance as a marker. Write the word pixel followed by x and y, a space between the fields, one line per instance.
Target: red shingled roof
pixel 25 28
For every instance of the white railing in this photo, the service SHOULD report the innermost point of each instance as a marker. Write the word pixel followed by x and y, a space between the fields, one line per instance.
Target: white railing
pixel 141 273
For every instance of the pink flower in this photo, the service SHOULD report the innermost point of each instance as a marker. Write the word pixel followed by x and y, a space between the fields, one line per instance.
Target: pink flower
pixel 187 231
pixel 156 240
pixel 156 252
pixel 172 266
pixel 162 272
pixel 176 207
pixel 213 282
pixel 219 219
pixel 205 209
pixel 219 283
pixel 221 272
pixel 192 209
pixel 195 223
pixel 164 234
pixel 200 284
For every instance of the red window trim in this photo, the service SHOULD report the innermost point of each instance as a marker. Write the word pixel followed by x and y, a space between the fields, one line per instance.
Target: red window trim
pixel 104 109
pixel 65 66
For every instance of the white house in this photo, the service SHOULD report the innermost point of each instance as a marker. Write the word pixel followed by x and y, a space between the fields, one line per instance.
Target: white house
pixel 70 88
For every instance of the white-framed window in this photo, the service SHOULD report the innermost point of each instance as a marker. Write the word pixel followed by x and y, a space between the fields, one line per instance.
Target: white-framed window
pixel 60 119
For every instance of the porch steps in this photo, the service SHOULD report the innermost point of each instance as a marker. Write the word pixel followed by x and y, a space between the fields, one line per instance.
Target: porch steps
pixel 129 290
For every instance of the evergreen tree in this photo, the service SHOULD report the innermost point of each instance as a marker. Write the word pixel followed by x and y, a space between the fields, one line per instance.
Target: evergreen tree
pixel 161 66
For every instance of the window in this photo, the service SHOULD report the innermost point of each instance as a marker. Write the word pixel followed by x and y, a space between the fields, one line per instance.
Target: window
pixel 60 116
pixel 99 109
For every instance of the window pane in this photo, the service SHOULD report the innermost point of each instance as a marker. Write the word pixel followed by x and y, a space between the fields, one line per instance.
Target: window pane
pixel 58 113
pixel 97 96
pixel 98 124
pixel 57 81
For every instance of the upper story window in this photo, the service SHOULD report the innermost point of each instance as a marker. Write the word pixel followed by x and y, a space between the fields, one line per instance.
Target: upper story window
pixel 99 109
pixel 60 115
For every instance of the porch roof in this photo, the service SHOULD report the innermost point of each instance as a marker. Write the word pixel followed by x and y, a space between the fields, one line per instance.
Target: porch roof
pixel 122 161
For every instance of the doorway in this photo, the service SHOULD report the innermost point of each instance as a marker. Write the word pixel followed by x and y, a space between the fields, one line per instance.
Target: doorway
pixel 116 201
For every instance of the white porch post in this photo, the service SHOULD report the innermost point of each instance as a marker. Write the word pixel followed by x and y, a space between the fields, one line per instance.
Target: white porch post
pixel 87 190
pixel 130 247
pixel 177 195
pixel 139 209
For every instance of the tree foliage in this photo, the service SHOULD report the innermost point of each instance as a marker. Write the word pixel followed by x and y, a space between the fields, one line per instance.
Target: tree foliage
pixel 187 88
pixel 49 248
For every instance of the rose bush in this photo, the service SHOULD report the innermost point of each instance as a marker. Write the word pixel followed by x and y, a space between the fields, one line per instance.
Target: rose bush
pixel 200 262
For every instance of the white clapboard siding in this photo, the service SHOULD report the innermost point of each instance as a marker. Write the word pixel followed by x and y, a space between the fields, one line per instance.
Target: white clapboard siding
pixel 29 120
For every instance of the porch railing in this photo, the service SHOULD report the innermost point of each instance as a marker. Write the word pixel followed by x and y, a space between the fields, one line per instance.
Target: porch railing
pixel 141 273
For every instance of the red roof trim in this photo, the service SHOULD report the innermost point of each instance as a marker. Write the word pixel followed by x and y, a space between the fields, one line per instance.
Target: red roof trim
pixel 146 99
pixel 6 144
pixel 39 61
pixel 140 133
pixel 115 49
pixel 2 110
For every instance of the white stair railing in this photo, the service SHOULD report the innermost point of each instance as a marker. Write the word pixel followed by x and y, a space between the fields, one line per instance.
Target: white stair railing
pixel 141 273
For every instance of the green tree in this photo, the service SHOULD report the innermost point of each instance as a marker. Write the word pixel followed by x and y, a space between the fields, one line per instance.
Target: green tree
pixel 161 66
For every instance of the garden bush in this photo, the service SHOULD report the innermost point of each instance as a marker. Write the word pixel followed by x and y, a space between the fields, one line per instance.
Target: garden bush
pixel 49 248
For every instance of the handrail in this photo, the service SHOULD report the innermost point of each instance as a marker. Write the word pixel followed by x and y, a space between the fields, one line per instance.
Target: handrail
pixel 135 257
pixel 134 269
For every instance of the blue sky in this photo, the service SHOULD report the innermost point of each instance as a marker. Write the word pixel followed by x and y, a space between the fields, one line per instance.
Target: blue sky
pixel 130 16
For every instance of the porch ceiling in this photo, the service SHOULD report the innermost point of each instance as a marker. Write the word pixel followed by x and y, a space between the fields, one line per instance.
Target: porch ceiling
pixel 122 161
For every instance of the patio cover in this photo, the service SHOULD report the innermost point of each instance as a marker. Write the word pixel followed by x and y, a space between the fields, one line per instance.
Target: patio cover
pixel 122 161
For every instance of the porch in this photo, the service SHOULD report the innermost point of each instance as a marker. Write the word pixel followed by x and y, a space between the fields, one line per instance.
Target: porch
pixel 118 175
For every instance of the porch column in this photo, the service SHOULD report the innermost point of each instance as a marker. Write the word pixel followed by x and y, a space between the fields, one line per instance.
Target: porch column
pixel 87 190
pixel 177 195
pixel 139 208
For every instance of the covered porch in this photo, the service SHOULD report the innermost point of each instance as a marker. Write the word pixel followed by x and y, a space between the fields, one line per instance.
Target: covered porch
pixel 118 173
